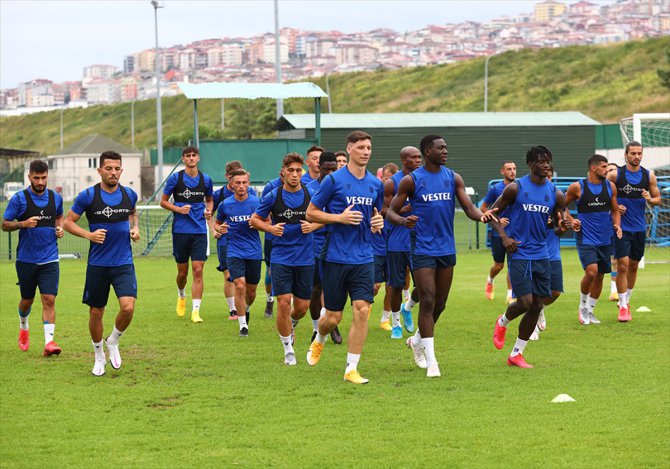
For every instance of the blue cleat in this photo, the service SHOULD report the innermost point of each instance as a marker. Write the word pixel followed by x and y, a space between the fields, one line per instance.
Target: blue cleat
pixel 396 332
pixel 407 319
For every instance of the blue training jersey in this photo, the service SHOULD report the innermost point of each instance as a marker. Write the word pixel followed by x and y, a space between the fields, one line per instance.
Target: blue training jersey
pixel 529 213
pixel 398 236
pixel 380 241
pixel 594 213
pixel 349 244
pixel 217 197
pixel 433 203
pixel 293 248
pixel 244 242
pixel 306 178
pixel 36 245
pixel 320 234
pixel 194 222
pixel 629 186
pixel 491 196
pixel 269 187
pixel 116 249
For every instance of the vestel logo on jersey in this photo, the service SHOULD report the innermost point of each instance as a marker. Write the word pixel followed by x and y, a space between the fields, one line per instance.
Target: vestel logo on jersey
pixel 239 218
pixel 109 211
pixel 436 196
pixel 357 200
pixel 535 208
pixel 188 193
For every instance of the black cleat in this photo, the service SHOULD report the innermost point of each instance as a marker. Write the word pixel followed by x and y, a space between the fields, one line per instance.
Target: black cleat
pixel 244 332
pixel 335 336
pixel 246 316
pixel 313 337
pixel 268 308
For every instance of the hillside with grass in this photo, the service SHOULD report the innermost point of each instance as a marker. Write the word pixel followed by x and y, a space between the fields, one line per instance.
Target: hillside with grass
pixel 603 82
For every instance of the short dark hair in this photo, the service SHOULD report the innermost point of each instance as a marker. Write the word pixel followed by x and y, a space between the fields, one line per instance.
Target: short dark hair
pixel 109 155
pixel 536 151
pixel 239 172
pixel 612 164
pixel 634 143
pixel 390 167
pixel 595 159
pixel 314 148
pixel 291 158
pixel 358 135
pixel 507 162
pixel 233 165
pixel 327 157
pixel 340 153
pixel 38 167
pixel 189 150
pixel 427 142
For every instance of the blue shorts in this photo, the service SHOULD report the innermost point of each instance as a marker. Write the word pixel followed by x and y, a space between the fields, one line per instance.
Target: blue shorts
pixel 317 272
pixel 380 269
pixel 600 255
pixel 421 261
pixel 99 279
pixel 267 251
pixel 31 276
pixel 250 269
pixel 185 245
pixel 630 245
pixel 222 253
pixel 357 281
pixel 498 250
pixel 397 262
pixel 295 280
pixel 556 275
pixel 530 277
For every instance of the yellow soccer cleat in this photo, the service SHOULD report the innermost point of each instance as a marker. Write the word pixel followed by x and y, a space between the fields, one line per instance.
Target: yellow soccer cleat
pixel 195 316
pixel 385 325
pixel 355 377
pixel 614 296
pixel 181 307
pixel 314 353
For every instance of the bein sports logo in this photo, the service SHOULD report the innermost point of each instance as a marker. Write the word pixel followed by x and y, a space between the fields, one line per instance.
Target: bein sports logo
pixel 188 193
pixel 109 211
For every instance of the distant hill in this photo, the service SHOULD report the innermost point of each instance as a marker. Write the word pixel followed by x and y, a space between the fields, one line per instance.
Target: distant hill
pixel 604 82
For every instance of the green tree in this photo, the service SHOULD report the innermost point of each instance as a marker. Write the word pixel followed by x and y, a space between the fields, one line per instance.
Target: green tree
pixel 664 74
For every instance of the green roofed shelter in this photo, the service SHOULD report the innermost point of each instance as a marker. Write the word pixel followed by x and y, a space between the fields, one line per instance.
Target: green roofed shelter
pixel 478 142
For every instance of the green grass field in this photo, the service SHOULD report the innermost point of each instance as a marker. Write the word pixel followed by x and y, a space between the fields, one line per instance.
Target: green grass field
pixel 199 395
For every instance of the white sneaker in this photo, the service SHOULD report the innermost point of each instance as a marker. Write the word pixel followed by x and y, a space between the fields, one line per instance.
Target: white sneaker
pixel 99 367
pixel 114 355
pixel 542 321
pixel 433 371
pixel 536 334
pixel 593 319
pixel 584 316
pixel 289 359
pixel 419 357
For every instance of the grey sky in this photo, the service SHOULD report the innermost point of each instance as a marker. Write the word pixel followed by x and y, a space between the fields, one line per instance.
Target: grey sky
pixel 55 39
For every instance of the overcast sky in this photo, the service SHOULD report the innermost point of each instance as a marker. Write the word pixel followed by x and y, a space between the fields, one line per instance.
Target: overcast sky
pixel 55 39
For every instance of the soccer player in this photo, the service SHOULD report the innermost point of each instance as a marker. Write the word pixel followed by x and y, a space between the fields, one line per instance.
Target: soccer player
pixel 341 158
pixel 222 241
pixel 245 253
pixel 348 201
pixel 531 199
pixel 597 208
pixel 38 212
pixel 508 172
pixel 379 250
pixel 191 192
pixel 312 173
pixel 431 190
pixel 112 222
pixel 399 246
pixel 327 164
pixel 292 249
pixel 636 186
pixel 267 249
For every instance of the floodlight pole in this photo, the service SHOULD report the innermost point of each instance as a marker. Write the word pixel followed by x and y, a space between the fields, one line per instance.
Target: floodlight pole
pixel 132 124
pixel 280 102
pixel 330 109
pixel 61 128
pixel 159 113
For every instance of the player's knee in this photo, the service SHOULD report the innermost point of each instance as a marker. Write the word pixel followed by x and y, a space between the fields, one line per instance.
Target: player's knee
pixel 197 271
pixel 48 301
pixel 524 302
pixel 26 303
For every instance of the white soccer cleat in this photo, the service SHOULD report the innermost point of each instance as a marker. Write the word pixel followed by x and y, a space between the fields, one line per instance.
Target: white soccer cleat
pixel 99 367
pixel 289 359
pixel 593 319
pixel 114 355
pixel 536 334
pixel 541 320
pixel 584 316
pixel 419 357
pixel 433 371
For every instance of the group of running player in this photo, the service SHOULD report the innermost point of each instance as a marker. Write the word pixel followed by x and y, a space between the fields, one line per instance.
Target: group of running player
pixel 334 234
